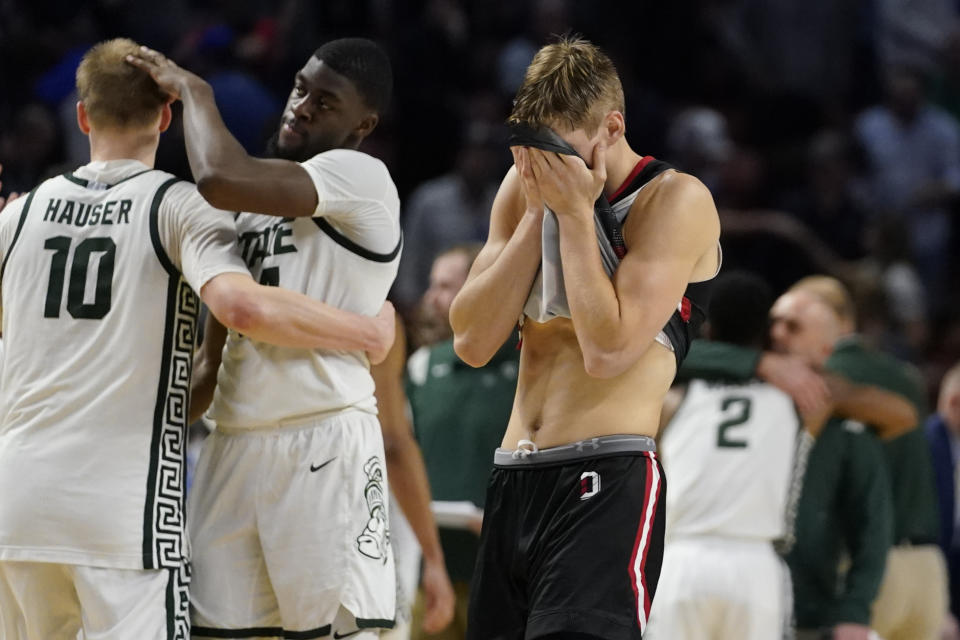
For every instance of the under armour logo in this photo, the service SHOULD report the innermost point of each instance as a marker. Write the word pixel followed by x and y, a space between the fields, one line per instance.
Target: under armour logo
pixel 593 443
pixel 589 484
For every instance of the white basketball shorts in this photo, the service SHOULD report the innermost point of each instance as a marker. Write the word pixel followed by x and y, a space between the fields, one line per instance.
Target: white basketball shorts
pixel 289 524
pixel 50 601
pixel 720 588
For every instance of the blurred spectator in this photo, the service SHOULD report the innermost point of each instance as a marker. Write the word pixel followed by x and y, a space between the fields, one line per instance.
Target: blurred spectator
pixel 451 209
pixel 459 415
pixel 831 201
pixel 913 154
pixel 699 144
pixel 912 32
pixel 547 18
pixel 943 435
pixel 904 296
pixel 28 148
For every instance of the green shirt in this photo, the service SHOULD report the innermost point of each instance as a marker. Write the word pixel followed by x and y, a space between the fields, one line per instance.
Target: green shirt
pixel 844 508
pixel 459 415
pixel 916 516
pixel 845 505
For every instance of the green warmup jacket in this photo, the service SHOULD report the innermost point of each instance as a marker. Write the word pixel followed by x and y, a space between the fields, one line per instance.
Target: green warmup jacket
pixel 459 416
pixel 845 506
pixel 915 511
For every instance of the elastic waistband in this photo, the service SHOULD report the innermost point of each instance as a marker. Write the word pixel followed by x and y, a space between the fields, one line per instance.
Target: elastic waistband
pixel 601 446
pixel 291 424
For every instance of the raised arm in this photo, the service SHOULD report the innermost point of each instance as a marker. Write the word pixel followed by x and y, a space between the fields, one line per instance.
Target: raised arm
pixel 290 319
pixel 671 230
pixel 488 306
pixel 226 175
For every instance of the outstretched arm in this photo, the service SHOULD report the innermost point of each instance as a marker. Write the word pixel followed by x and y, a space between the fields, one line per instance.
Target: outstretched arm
pixel 408 481
pixel 488 306
pixel 226 175
pixel 290 319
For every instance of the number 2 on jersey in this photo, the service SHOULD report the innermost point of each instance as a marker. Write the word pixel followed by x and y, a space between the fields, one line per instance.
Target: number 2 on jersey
pixel 736 410
pixel 78 277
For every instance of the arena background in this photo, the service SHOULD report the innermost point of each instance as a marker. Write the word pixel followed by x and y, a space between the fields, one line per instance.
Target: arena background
pixel 769 102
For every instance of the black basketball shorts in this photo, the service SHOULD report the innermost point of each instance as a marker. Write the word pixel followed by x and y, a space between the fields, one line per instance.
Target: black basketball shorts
pixel 572 541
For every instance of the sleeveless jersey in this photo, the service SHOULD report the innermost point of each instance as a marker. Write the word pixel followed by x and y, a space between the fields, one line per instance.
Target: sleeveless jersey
pixel 548 297
pixel 347 256
pixel 729 453
pixel 99 333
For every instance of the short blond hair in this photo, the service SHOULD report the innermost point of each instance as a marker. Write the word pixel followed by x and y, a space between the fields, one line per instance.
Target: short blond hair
pixel 830 292
pixel 115 94
pixel 571 82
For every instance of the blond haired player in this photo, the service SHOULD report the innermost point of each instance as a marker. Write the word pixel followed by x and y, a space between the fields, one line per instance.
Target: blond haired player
pixel 573 530
pixel 101 268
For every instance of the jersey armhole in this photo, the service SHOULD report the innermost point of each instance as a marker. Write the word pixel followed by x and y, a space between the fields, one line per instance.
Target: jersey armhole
pixel 158 247
pixel 16 234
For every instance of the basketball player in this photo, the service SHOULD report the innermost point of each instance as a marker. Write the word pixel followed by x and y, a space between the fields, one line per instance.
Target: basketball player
pixel 730 451
pixel 92 434
pixel 574 517
pixel 289 505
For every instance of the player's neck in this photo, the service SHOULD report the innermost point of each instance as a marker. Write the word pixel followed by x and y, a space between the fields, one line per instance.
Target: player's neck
pixel 124 145
pixel 621 160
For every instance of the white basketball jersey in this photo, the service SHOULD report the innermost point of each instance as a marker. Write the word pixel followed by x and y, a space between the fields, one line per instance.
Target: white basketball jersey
pixel 345 255
pixel 728 453
pixel 99 327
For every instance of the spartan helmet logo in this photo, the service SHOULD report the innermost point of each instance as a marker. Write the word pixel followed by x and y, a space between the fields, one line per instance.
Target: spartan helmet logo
pixel 589 484
pixel 374 541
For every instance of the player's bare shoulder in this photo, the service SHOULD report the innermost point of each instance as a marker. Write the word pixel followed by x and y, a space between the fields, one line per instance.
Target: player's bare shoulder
pixel 676 212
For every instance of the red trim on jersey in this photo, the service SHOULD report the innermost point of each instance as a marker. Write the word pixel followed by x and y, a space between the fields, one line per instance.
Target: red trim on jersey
pixel 685 309
pixel 644 161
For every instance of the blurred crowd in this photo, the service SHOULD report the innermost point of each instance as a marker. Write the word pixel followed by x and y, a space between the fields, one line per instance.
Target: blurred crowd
pixel 828 132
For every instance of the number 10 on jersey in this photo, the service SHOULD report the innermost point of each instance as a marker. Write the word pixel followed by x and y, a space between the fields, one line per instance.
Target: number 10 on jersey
pixel 76 293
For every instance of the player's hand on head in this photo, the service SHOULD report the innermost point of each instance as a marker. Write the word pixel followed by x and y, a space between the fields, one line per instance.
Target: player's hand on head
pixel 171 78
pixel 566 183
pixel 386 324
pixel 438 595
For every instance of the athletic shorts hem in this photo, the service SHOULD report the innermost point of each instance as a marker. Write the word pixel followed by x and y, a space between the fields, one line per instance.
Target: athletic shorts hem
pixel 248 632
pixel 580 621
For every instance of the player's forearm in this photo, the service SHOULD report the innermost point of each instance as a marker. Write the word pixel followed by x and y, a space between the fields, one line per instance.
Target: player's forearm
pixel 488 307
pixel 889 413
pixel 408 480
pixel 203 382
pixel 608 348
pixel 219 163
pixel 290 319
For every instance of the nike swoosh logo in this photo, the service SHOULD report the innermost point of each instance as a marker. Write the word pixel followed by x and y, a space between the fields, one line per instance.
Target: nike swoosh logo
pixel 317 468
pixel 337 636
